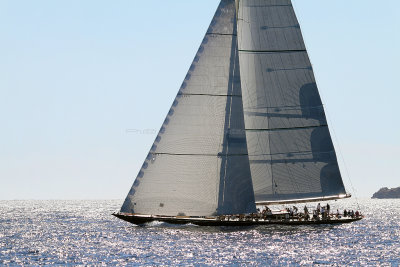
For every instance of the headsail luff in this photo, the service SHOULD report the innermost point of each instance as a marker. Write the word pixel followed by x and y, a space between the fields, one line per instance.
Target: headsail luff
pixel 198 164
pixel 290 149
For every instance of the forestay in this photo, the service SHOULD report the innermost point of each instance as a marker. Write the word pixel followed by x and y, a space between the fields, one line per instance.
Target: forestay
pixel 290 149
pixel 198 164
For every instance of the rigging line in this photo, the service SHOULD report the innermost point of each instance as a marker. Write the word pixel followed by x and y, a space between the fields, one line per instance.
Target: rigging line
pixel 328 117
pixel 343 160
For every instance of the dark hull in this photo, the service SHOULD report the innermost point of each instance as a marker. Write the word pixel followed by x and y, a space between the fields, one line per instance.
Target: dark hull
pixel 140 219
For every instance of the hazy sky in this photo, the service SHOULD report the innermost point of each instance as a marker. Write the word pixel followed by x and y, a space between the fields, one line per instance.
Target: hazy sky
pixel 76 75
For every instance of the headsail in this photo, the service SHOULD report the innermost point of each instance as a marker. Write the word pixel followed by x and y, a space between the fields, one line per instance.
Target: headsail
pixel 290 149
pixel 198 164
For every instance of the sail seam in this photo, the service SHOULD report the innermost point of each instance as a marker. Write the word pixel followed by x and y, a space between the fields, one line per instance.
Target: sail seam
pixel 294 153
pixel 270 5
pixel 222 34
pixel 273 51
pixel 189 94
pixel 276 107
pixel 240 154
pixel 210 155
pixel 291 128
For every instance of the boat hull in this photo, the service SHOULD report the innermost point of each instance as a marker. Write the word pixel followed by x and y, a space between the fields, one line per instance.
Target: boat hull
pixel 143 219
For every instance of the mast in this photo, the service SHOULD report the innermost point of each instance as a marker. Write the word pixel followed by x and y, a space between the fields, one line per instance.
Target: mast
pixel 292 158
pixel 198 164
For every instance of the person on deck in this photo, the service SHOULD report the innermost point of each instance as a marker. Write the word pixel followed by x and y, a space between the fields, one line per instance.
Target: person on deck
pixel 318 208
pixel 315 215
pixel 266 209
pixel 306 215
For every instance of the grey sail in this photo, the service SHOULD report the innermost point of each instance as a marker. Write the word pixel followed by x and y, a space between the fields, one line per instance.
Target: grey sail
pixel 290 148
pixel 198 164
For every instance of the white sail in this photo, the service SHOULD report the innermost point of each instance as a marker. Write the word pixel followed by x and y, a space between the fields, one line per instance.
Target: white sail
pixel 290 149
pixel 198 164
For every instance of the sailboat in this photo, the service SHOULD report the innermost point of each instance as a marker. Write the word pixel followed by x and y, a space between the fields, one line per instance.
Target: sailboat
pixel 246 128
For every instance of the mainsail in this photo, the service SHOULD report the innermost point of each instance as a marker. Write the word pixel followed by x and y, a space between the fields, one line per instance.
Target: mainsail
pixel 198 164
pixel 289 145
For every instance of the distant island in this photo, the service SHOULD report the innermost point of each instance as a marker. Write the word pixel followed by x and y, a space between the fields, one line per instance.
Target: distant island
pixel 387 193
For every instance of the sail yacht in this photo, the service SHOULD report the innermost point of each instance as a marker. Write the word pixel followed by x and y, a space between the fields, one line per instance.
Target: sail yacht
pixel 246 128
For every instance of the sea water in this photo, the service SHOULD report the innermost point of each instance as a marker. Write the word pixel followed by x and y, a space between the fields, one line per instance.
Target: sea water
pixel 85 233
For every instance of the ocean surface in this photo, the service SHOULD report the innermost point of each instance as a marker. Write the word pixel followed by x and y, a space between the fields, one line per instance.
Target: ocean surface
pixel 84 232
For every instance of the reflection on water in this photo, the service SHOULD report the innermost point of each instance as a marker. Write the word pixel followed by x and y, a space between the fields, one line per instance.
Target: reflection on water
pixel 84 232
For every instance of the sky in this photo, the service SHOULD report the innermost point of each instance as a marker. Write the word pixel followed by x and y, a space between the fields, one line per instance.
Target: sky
pixel 85 86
